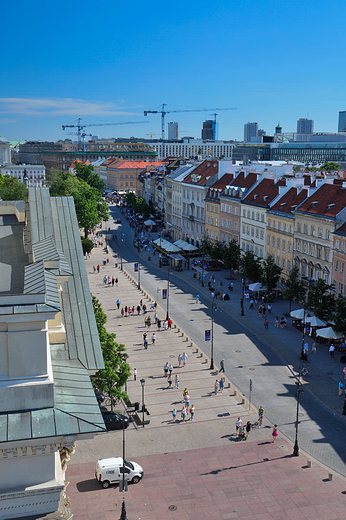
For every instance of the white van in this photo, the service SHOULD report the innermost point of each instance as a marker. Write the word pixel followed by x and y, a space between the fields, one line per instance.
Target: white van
pixel 110 471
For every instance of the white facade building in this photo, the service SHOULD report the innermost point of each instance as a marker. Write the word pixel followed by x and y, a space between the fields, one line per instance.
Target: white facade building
pixel 35 174
pixel 5 152
pixel 194 148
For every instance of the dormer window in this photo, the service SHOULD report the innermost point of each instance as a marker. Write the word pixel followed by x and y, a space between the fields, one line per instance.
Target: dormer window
pixel 313 204
pixel 265 197
pixel 329 207
pixel 256 196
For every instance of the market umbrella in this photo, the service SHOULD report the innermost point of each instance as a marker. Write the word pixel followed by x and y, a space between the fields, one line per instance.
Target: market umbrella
pixel 314 321
pixel 328 332
pixel 255 287
pixel 300 313
pixel 150 222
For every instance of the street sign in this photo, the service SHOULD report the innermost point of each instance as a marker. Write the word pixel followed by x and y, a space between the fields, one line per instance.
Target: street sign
pixel 136 267
pixel 207 335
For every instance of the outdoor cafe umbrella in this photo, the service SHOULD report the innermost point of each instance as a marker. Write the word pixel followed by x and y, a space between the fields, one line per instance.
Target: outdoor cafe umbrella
pixel 328 332
pixel 314 321
pixel 150 223
pixel 300 313
pixel 256 287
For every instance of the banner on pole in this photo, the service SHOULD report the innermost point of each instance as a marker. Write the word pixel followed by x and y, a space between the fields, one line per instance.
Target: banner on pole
pixel 164 294
pixel 136 267
pixel 207 335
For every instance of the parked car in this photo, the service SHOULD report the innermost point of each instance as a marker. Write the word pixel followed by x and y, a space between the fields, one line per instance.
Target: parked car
pixel 115 421
pixel 110 471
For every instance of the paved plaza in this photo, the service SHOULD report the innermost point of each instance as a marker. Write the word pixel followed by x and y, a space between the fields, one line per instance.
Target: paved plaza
pixel 200 467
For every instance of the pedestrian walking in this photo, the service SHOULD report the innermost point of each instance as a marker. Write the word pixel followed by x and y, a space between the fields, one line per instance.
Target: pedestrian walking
pixel 306 349
pixel 197 298
pixel 282 322
pixel 170 380
pixel 179 360
pixel 165 369
pixel 231 286
pixel 113 280
pixel 332 350
pixel 251 304
pixel 341 386
pixel 169 323
pixel 135 374
pixel 185 391
pixel 122 312
pixel 264 308
pixel 222 384
pixel 184 359
pixel 216 387
pixel 183 413
pixel 156 317
pixel 170 368
pixel 174 415
pixel 248 429
pixel 266 323
pixel 98 269
pixel 153 338
pixel 133 309
pixel 165 325
pixel 313 348
pixel 144 307
pixel 260 311
pixel 125 310
pixel 138 309
pixel 275 432
pixel 176 381
pixel 94 269
pixel 118 303
pixel 222 365
pixel 269 308
pixel 145 340
pixel 277 321
pixel 158 324
pixel 238 424
pixel 192 412
pixel 187 401
pixel 116 282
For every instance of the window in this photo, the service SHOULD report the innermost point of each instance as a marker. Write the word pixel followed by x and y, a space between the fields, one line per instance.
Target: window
pixel 248 213
pixel 341 267
pixel 215 235
pixel 343 246
pixel 311 250
pixel 230 210
pixel 235 225
pixel 336 264
pixel 328 234
pixel 222 207
pixel 312 230
pixel 269 222
pixel 279 226
pixel 256 251
pixel 253 215
pixel 278 243
pixel 230 224
pixel 274 224
pixel 283 263
pixel 337 244
pixel 299 227
pixel 215 221
pixel 273 242
pixel 211 234
pixel 257 233
pixel 298 245
pixel 262 234
pixel 235 210
pixel 208 207
pixel 284 245
pixel 318 252
pixel 261 253
pixel 340 288
pixel 207 219
pixel 320 232
pixel 326 255
pixel 257 216
pixel 244 213
pixel 212 208
pixel 252 232
pixel 290 228
pixel 244 229
pixel 305 229
pixel 278 261
pixel 285 227
pixel 304 247
pixel 222 222
pixel 247 230
pixel 288 265
pixel 212 221
pixel 268 240
pixel 262 217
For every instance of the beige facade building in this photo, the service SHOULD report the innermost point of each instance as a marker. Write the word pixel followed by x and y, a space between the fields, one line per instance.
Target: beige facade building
pixel 339 260
pixel 316 220
pixel 213 206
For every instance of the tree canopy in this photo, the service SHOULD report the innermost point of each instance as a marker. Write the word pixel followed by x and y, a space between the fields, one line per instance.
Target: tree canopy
pixel 270 273
pixel 12 189
pixel 86 173
pixel 251 266
pixel 90 207
pixel 321 299
pixel 113 377
pixel 295 289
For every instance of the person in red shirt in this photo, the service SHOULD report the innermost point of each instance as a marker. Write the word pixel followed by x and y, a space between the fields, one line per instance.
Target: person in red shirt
pixel 169 323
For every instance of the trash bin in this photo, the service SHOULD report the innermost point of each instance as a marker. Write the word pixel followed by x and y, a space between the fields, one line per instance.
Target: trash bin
pixel 136 406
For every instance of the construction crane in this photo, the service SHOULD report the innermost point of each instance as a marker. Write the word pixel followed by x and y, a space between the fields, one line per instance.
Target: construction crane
pixel 80 128
pixel 163 113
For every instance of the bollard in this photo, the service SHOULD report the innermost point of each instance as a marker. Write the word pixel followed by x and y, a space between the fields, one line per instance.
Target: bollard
pixel 235 392
pixel 196 351
pixel 309 463
pixel 228 385
pixel 330 476
pixel 191 344
pixel 178 330
pixel 243 400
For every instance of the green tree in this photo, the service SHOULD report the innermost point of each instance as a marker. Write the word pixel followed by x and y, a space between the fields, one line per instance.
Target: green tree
pixel 270 273
pixel 113 377
pixel 206 246
pixel 330 166
pixel 87 174
pixel 340 315
pixel 295 289
pixel 251 266
pixel 87 245
pixel 12 189
pixel 231 255
pixel 91 209
pixel 321 299
pixel 217 250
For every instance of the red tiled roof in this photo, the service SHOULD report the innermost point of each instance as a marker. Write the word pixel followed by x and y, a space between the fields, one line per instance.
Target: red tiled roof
pixel 342 229
pixel 78 161
pixel 134 165
pixel 290 200
pixel 328 200
pixel 216 189
pixel 204 172
pixel 264 193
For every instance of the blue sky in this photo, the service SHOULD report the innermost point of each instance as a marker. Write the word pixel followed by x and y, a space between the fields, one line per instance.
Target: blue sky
pixel 109 61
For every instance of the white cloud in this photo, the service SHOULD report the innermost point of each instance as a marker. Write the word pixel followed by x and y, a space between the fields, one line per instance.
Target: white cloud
pixel 64 106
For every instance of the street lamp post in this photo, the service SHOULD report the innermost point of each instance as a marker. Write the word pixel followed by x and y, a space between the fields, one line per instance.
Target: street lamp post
pixel 212 334
pixel 139 267
pixel 298 383
pixel 121 251
pixel 167 313
pixel 143 406
pixel 203 270
pixel 123 506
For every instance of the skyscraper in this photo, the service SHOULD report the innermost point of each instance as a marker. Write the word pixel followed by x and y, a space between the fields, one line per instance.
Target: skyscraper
pixel 305 126
pixel 342 122
pixel 250 130
pixel 173 131
pixel 210 130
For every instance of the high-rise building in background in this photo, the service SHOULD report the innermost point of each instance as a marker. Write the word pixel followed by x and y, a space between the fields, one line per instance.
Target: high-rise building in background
pixel 173 131
pixel 250 130
pixel 342 121
pixel 210 130
pixel 305 126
